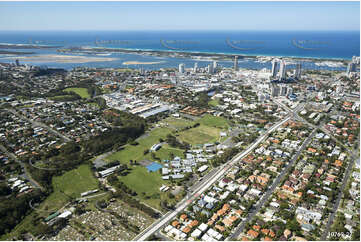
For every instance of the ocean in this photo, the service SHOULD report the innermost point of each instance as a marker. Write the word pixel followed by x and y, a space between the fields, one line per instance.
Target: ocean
pixel 306 44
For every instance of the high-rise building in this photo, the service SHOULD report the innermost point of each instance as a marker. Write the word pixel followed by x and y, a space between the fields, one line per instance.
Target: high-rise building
pixel 351 67
pixel 235 66
pixel 195 68
pixel 298 71
pixel 275 90
pixel 283 91
pixel 17 62
pixel 289 91
pixel 282 72
pixel 214 65
pixel 181 68
pixel 356 59
pixel 210 69
pixel 274 68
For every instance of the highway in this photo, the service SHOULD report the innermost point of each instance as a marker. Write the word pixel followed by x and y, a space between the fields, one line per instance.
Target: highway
pixel 269 192
pixel 207 181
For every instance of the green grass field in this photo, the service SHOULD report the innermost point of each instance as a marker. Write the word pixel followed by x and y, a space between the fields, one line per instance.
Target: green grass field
pixel 136 152
pixel 213 102
pixel 69 185
pixel 82 92
pixel 177 123
pixel 147 183
pixel 139 179
pixel 200 135
pixel 212 121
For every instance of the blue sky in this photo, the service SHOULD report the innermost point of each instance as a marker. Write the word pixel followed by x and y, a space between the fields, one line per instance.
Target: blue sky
pixel 179 16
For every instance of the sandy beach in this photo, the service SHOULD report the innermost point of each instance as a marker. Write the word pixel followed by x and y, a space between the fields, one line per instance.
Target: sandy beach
pixel 142 63
pixel 63 58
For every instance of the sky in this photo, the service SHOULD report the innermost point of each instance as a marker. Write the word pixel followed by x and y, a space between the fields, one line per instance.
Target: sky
pixel 180 16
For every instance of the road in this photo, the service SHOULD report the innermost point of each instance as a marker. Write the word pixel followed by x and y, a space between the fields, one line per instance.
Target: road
pixel 269 192
pixel 205 184
pixel 35 123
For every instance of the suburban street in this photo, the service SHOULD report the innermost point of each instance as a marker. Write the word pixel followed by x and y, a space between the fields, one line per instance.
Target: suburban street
pixel 347 172
pixel 26 174
pixel 275 184
pixel 205 184
pixel 35 123
pixel 339 197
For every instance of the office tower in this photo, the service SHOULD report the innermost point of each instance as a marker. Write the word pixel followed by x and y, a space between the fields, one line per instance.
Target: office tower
pixel 351 67
pixel 17 62
pixel 274 68
pixel 235 63
pixel 298 71
pixel 195 67
pixel 181 68
pixel 282 72
pixel 210 69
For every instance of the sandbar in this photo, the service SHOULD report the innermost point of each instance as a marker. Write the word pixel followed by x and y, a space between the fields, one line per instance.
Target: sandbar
pixel 142 63
pixel 63 58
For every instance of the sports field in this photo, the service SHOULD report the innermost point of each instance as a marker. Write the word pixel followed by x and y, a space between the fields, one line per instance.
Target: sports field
pixel 200 135
pixel 212 121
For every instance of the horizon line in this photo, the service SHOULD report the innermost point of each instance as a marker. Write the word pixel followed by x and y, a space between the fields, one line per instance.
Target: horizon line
pixel 313 30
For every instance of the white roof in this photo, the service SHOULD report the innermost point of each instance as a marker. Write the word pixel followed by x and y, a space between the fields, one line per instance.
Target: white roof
pixel 196 233
pixel 65 214
pixel 203 227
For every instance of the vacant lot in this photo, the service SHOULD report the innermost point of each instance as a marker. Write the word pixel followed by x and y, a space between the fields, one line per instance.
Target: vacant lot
pixel 82 92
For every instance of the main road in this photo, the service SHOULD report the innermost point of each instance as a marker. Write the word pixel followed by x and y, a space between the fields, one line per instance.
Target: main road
pixel 207 181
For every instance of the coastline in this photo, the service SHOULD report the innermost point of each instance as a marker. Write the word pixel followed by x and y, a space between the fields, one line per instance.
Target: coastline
pixel 192 54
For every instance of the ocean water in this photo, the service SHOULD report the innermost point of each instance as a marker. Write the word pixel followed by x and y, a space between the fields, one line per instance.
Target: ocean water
pixel 314 44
